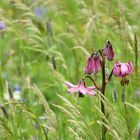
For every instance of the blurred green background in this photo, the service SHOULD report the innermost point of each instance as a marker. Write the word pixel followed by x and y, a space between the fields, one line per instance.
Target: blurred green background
pixel 44 43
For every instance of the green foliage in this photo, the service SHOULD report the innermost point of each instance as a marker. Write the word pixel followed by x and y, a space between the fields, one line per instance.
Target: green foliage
pixel 40 54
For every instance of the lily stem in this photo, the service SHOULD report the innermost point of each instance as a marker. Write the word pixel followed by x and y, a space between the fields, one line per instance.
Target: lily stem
pixel 104 129
pixel 95 84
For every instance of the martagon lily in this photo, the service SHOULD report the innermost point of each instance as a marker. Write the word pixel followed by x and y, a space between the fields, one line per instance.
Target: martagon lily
pixel 95 63
pixel 122 69
pixel 81 88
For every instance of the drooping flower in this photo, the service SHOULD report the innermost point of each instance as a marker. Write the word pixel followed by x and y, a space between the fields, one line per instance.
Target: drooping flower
pixel 109 51
pixel 92 65
pixel 96 64
pixel 81 88
pixel 88 67
pixel 123 69
pixel 2 25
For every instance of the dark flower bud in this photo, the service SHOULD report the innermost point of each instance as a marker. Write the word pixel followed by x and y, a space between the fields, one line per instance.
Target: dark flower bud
pixel 109 51
pixel 92 65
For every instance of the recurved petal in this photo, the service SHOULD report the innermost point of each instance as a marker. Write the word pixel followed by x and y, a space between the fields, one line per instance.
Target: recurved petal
pixel 117 71
pixel 130 67
pixel 91 92
pixel 70 85
pixel 73 89
pixel 91 87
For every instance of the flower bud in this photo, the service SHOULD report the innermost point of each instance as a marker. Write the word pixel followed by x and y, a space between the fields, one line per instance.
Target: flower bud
pixel 109 51
pixel 95 64
pixel 88 67
pixel 92 65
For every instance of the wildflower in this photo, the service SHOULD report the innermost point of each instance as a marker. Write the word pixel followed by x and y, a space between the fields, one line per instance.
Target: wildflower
pixel 39 12
pixel 36 126
pixel 17 93
pixel 139 135
pixel 34 138
pixel 16 88
pixel 88 67
pixel 81 88
pixel 136 93
pixel 109 51
pixel 2 25
pixel 123 69
pixel 92 65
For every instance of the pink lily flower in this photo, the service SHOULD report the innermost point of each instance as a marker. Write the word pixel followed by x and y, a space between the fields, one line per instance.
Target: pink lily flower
pixel 81 88
pixel 123 69
pixel 92 65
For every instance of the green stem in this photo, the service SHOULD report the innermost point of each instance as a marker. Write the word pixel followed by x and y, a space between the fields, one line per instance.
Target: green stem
pixel 95 84
pixel 103 93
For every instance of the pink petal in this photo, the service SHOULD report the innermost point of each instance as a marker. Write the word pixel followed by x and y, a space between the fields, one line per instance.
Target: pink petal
pixel 87 69
pixel 124 69
pixel 95 64
pixel 74 89
pixel 82 90
pixel 91 87
pixel 130 67
pixel 116 71
pixel 82 84
pixel 70 85
pixel 93 93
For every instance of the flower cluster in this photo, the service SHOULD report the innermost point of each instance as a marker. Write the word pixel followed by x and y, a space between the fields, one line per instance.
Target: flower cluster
pixel 94 64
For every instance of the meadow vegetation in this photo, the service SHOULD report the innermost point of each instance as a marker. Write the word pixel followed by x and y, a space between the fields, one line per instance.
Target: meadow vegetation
pixel 43 44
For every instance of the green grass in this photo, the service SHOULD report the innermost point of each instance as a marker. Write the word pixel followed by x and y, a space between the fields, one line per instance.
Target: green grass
pixel 79 28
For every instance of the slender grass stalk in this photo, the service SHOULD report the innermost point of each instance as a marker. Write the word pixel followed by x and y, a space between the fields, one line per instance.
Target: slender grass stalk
pixel 127 120
pixel 126 116
pixel 4 111
pixel 136 54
